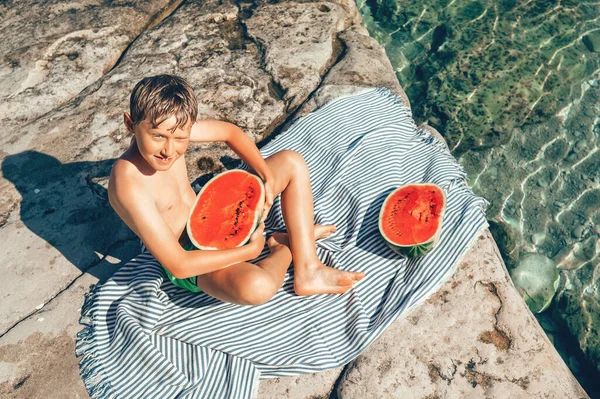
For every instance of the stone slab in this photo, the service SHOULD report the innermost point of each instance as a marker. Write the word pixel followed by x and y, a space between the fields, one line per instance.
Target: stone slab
pixel 37 356
pixel 46 64
pixel 54 170
pixel 314 386
pixel 474 338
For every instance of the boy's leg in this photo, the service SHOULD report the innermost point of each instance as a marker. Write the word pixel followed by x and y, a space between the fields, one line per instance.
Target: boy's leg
pixel 311 276
pixel 254 284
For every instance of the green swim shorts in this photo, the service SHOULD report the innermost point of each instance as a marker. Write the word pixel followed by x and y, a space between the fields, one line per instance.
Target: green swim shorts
pixel 189 283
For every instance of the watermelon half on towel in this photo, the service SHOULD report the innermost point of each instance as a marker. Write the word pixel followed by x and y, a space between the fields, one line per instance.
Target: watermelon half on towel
pixel 411 216
pixel 227 211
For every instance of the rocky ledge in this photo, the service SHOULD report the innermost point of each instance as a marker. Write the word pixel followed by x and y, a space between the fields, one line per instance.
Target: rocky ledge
pixel 65 84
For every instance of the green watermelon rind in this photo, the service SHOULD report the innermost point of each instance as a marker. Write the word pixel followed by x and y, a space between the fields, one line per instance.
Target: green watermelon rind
pixel 257 215
pixel 417 249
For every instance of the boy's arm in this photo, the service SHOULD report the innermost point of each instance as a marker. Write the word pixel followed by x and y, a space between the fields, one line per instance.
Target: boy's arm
pixel 234 137
pixel 240 143
pixel 141 215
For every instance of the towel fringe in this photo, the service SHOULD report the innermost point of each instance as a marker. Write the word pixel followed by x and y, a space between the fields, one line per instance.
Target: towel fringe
pixel 90 368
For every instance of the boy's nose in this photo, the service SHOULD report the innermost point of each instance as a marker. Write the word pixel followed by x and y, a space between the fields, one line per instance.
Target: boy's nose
pixel 168 149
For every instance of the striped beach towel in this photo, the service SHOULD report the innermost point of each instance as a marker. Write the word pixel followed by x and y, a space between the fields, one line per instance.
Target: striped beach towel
pixel 143 337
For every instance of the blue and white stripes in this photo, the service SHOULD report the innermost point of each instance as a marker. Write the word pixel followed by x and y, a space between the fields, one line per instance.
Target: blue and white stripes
pixel 146 338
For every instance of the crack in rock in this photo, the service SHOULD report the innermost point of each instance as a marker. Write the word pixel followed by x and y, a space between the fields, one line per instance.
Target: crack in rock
pixel 163 15
pixel 276 90
pixel 245 11
pixel 91 88
pixel 6 215
pixel 497 337
pixel 340 50
pixel 295 78
pixel 333 394
pixel 69 285
pixel 475 377
pixel 435 372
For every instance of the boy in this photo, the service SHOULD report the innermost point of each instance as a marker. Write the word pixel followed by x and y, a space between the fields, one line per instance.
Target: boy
pixel 150 191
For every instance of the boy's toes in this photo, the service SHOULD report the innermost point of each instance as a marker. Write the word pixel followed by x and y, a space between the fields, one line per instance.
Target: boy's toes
pixel 324 231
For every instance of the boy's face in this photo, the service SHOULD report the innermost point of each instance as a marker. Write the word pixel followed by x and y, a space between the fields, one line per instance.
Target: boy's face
pixel 160 146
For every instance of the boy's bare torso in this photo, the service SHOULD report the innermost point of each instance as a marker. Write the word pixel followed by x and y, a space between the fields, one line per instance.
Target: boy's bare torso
pixel 170 190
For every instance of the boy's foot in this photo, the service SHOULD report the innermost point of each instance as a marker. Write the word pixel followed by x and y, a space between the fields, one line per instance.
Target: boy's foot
pixel 316 278
pixel 321 231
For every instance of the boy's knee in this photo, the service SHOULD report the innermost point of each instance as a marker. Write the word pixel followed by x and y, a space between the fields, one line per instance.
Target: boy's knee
pixel 295 159
pixel 258 289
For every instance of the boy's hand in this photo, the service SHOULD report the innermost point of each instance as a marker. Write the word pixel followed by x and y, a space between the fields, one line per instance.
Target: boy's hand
pixel 268 199
pixel 257 240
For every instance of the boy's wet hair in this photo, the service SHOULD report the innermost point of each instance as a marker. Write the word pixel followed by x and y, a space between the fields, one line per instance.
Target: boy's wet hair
pixel 156 98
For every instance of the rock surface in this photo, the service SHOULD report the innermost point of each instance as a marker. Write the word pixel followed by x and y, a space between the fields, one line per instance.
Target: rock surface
pixel 473 338
pixel 64 237
pixel 45 65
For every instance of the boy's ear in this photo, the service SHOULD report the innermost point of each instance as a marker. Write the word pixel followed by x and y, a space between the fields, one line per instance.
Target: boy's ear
pixel 128 122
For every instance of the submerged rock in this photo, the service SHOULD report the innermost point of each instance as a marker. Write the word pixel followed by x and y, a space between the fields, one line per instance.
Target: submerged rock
pixel 577 303
pixel 536 279
pixel 592 42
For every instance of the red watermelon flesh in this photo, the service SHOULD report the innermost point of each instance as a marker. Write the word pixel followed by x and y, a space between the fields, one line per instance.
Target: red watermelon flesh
pixel 227 211
pixel 411 217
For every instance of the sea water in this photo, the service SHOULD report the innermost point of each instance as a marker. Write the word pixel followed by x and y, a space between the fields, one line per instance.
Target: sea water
pixel 514 87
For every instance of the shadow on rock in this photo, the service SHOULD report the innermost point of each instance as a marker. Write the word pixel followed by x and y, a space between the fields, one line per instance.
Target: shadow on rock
pixel 65 205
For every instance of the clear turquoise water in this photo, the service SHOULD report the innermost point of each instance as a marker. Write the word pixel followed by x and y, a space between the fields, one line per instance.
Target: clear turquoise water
pixel 514 87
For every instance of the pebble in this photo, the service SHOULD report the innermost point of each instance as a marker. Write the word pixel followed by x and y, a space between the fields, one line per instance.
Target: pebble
pixel 542 183
pixel 40 319
pixel 568 284
pixel 37 191
pixel 589 290
pixel 589 184
pixel 559 204
pixel 580 145
pixel 577 231
pixel 538 239
pixel 38 307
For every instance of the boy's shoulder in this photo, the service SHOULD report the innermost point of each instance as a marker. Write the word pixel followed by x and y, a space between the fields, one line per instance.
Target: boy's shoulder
pixel 125 176
pixel 125 168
